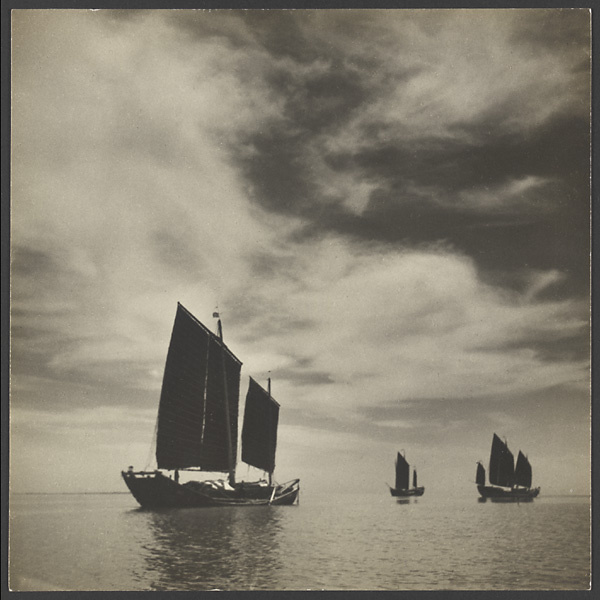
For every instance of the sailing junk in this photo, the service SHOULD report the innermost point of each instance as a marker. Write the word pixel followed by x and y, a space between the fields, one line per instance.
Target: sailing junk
pixel 402 488
pixel 507 481
pixel 197 427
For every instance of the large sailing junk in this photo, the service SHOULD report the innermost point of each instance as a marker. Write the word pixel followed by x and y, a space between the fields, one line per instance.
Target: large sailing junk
pixel 197 428
pixel 402 488
pixel 507 481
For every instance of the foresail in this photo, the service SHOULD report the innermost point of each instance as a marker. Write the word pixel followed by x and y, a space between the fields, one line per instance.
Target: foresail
pixel 402 469
pixel 201 374
pixel 259 431
pixel 502 464
pixel 523 471
pixel 480 476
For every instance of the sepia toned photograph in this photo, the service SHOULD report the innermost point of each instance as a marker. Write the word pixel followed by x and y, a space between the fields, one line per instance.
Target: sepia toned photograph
pixel 300 300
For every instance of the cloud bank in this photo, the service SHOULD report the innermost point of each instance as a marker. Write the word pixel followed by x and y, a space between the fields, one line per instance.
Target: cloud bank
pixel 389 208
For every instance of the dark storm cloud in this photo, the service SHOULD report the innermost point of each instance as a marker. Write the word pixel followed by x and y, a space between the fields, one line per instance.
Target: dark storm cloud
pixel 280 166
pixel 542 231
pixel 420 181
pixel 278 175
pixel 279 33
pixel 553 406
pixel 557 149
pixel 549 29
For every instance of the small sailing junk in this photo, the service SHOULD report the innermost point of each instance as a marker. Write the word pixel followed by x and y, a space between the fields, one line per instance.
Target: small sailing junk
pixel 402 489
pixel 507 481
pixel 197 427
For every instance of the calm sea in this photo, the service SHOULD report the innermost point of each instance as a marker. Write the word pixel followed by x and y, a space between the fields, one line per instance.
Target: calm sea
pixel 346 542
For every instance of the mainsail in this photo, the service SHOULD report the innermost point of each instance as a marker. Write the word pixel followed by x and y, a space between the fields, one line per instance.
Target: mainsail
pixel 502 464
pixel 523 471
pixel 259 431
pixel 199 400
pixel 401 473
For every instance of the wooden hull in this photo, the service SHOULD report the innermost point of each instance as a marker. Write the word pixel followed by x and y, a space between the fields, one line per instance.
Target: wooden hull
pixel 498 494
pixel 418 491
pixel 152 489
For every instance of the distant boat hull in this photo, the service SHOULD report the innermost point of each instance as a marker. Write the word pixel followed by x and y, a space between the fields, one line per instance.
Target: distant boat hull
pixel 418 491
pixel 498 494
pixel 152 489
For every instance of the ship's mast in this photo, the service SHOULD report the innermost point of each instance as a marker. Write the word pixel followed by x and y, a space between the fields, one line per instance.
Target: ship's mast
pixel 270 450
pixel 226 406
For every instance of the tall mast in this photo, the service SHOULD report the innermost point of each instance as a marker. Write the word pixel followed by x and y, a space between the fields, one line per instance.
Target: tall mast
pixel 270 449
pixel 226 406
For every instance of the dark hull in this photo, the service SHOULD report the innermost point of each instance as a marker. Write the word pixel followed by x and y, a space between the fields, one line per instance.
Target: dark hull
pixel 418 491
pixel 498 494
pixel 155 490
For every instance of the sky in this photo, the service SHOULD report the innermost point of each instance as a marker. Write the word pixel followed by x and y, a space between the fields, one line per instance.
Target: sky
pixel 390 209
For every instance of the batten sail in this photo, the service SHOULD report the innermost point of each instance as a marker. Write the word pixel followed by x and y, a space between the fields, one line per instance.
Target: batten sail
pixel 502 464
pixel 402 469
pixel 259 431
pixel 201 375
pixel 523 473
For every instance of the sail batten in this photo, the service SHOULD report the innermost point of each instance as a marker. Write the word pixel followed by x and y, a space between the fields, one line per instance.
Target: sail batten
pixel 259 430
pixel 192 423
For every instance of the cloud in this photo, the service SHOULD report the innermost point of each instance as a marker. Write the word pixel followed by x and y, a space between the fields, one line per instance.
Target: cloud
pixel 397 424
pixel 465 68
pixel 387 207
pixel 513 195
pixel 419 325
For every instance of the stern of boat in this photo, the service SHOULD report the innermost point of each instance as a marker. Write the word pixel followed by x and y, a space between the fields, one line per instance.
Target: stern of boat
pixel 152 489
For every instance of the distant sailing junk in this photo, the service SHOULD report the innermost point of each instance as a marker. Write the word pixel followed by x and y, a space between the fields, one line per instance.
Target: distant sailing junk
pixel 402 488
pixel 197 427
pixel 508 483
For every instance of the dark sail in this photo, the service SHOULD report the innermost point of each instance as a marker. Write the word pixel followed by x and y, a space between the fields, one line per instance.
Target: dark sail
pixel 523 471
pixel 201 374
pixel 415 478
pixel 502 464
pixel 480 477
pixel 401 473
pixel 259 431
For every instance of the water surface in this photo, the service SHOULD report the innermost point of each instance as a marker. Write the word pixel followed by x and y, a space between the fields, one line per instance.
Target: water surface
pixel 346 542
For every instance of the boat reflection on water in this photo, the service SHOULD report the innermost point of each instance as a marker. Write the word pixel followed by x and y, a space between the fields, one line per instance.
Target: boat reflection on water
pixel 214 548
pixel 407 501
